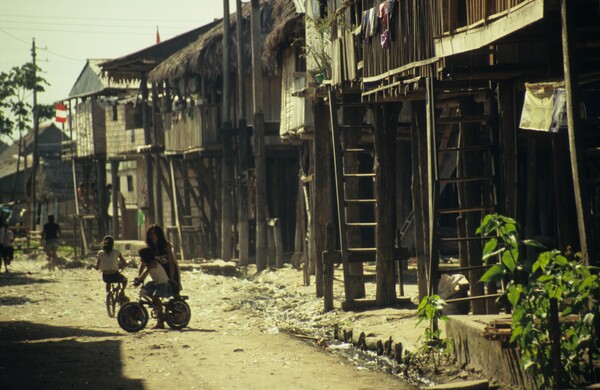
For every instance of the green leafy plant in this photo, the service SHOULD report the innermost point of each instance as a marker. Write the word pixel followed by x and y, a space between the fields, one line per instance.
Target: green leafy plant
pixel 434 348
pixel 531 286
pixel 317 49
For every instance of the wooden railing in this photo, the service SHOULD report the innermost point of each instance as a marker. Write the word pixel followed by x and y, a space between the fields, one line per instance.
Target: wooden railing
pixel 411 30
pixel 457 15
pixel 196 130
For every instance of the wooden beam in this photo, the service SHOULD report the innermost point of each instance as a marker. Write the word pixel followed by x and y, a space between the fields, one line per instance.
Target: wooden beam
pixel 175 207
pixel 386 119
pixel 577 167
pixel 478 37
pixel 432 176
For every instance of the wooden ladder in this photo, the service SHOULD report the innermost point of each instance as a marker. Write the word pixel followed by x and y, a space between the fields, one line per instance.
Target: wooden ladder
pixel 469 166
pixel 352 253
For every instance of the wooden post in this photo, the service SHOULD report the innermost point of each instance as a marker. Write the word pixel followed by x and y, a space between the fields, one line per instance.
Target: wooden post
pixel 432 174
pixel 271 243
pixel 227 160
pixel 101 198
pixel 418 111
pixel 278 243
pixel 386 119
pixel 175 207
pixel 116 189
pixel 532 184
pixel 322 210
pixel 77 213
pixel 564 205
pixel 328 256
pixel 351 140
pixel 572 99
pixel 242 156
pixel 259 140
pixel 147 157
pixel 157 188
pixel 508 145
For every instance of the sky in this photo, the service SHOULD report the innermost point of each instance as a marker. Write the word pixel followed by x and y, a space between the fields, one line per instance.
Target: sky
pixel 67 32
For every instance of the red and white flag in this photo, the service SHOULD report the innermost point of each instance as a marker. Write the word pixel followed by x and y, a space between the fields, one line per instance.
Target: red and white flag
pixel 61 113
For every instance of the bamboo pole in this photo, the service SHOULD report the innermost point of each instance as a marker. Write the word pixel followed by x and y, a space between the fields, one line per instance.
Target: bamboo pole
pixel 227 158
pixel 242 149
pixel 577 168
pixel 259 141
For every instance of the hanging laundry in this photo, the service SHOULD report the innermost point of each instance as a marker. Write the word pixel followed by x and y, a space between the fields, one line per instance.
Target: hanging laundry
pixel 390 11
pixel 384 39
pixel 370 24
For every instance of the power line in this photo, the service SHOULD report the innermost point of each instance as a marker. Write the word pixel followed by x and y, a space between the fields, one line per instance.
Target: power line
pixel 14 36
pixel 122 19
pixel 60 55
pixel 75 31
pixel 21 23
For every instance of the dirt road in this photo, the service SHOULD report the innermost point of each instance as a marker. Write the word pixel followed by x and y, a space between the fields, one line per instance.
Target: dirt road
pixel 55 333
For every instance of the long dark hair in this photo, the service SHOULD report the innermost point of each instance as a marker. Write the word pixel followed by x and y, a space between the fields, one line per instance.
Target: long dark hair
pixel 161 247
pixel 108 242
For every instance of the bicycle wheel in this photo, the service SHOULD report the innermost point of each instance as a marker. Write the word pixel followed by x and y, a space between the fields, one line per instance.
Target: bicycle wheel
pixel 132 317
pixel 177 314
pixel 111 302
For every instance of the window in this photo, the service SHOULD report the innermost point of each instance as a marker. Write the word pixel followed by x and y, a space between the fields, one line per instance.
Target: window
pixel 114 112
pixel 129 183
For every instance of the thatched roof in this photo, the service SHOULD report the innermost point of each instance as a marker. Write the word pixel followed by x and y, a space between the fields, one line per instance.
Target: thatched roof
pixel 204 57
pixel 290 23
pixel 130 66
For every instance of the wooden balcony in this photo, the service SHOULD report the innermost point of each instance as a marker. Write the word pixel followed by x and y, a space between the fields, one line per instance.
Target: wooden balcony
pixel 466 25
pixel 409 49
pixel 191 129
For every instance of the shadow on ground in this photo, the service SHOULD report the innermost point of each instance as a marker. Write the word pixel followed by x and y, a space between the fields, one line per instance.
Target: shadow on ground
pixel 19 279
pixel 33 356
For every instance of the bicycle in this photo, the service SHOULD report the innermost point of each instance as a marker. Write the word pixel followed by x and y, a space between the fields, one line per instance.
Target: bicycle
pixel 133 316
pixel 114 295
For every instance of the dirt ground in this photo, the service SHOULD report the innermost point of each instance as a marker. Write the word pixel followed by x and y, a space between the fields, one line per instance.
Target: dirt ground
pixel 262 331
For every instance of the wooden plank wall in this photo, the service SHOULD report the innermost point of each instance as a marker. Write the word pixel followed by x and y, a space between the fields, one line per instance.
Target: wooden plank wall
pixel 185 130
pixel 412 41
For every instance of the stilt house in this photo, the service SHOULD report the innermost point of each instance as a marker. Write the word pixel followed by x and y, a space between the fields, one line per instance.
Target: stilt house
pixel 191 82
pixel 433 108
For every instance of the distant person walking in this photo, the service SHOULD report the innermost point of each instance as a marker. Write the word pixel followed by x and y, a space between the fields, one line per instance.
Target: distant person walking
pixel 50 235
pixel 8 250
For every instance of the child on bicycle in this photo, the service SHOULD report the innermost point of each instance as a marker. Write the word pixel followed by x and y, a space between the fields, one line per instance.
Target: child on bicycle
pixel 108 262
pixel 156 289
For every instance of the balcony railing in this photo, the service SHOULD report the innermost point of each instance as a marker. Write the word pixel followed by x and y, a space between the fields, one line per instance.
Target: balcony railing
pixel 407 40
pixel 458 15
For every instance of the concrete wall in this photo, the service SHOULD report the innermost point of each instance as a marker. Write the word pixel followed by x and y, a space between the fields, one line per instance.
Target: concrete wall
pixel 490 357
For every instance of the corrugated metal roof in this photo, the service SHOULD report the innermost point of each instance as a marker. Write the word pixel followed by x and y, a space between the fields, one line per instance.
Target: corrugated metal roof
pixel 92 82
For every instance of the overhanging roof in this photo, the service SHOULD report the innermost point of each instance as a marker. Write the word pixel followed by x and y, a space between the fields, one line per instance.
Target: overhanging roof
pixel 91 82
pixel 129 67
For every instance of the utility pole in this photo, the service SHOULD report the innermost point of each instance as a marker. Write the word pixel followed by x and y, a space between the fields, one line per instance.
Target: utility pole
pixel 242 149
pixel 226 163
pixel 34 164
pixel 259 142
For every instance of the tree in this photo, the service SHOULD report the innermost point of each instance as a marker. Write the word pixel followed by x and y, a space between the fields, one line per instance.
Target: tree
pixel 15 112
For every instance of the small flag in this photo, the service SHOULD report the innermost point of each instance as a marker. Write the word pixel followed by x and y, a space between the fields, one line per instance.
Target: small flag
pixel 157 36
pixel 61 113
